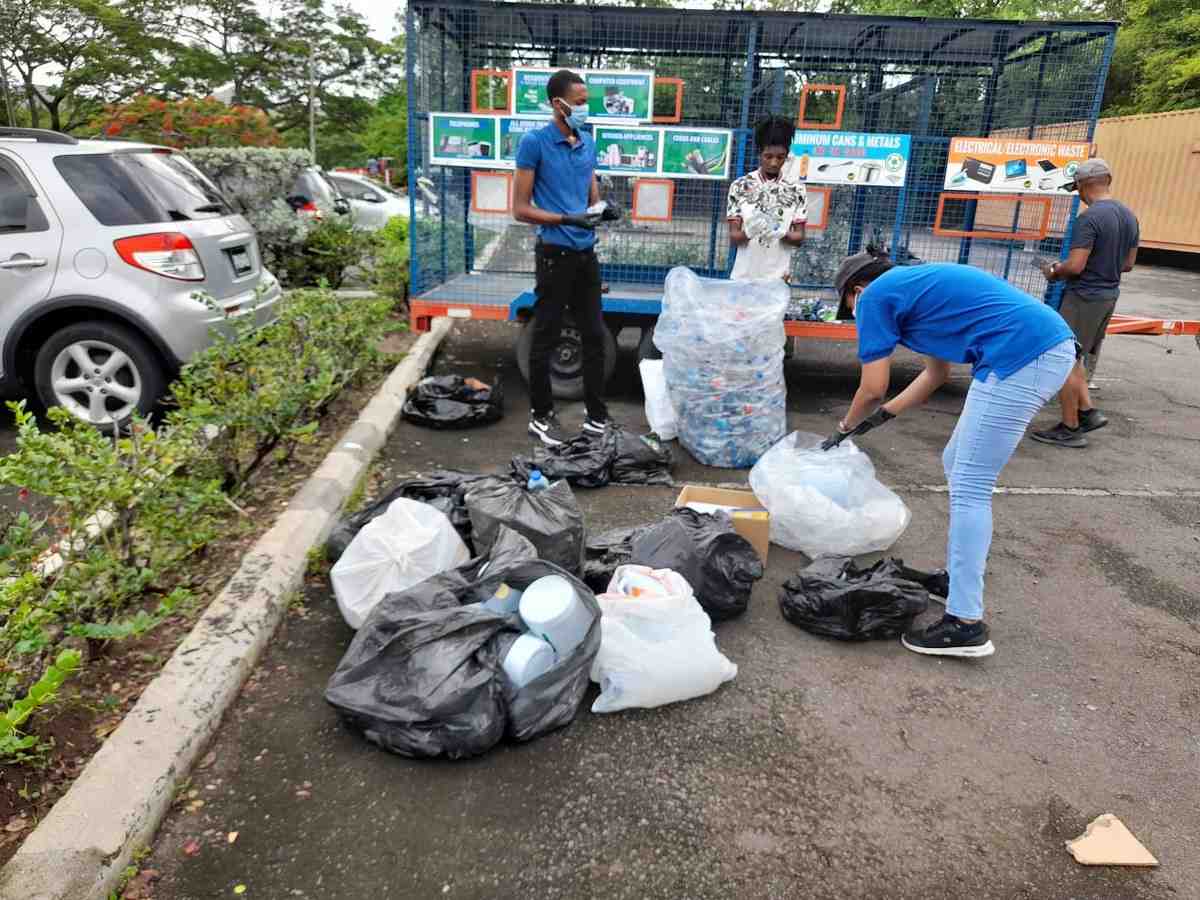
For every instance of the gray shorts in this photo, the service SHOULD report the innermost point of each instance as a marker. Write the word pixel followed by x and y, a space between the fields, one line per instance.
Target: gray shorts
pixel 1088 319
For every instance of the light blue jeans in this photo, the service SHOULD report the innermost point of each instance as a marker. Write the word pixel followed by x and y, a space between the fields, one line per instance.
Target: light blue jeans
pixel 992 423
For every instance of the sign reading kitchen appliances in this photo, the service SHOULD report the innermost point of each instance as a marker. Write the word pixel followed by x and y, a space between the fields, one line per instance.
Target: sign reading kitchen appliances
pixel 1013 165
pixel 628 150
pixel 612 96
pixel 850 157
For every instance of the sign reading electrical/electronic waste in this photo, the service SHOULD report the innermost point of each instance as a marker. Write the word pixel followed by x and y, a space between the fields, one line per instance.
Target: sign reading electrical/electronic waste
pixel 856 158
pixel 613 96
pixel 1013 165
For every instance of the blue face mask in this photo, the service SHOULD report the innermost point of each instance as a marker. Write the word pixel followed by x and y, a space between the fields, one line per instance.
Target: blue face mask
pixel 578 115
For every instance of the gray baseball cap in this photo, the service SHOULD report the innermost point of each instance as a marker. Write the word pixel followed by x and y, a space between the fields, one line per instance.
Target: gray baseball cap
pixel 1089 168
pixel 850 267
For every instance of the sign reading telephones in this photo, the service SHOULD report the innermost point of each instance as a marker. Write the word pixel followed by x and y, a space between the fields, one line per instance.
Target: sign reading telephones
pixel 1013 165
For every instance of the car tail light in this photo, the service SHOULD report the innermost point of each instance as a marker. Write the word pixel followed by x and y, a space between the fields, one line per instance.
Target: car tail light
pixel 167 253
pixel 311 209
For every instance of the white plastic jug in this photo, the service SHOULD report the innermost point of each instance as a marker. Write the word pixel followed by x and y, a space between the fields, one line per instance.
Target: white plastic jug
pixel 504 601
pixel 527 658
pixel 553 611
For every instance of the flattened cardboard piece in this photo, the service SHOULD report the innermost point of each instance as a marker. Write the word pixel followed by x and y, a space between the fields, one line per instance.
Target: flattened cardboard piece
pixel 1107 842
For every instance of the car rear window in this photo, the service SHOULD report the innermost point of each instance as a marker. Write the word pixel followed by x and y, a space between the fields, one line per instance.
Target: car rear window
pixel 141 187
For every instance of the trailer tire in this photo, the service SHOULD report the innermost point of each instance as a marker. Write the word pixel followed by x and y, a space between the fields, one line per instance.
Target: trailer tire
pixel 566 362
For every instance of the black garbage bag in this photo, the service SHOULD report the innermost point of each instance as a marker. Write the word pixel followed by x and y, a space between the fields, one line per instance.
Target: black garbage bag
pixel 604 552
pixel 423 675
pixel 640 459
pixel 835 598
pixel 584 461
pixel 719 564
pixel 443 490
pixel 451 401
pixel 550 518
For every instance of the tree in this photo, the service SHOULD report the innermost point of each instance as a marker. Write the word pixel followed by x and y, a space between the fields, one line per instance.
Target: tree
pixel 98 52
pixel 187 123
pixel 1157 64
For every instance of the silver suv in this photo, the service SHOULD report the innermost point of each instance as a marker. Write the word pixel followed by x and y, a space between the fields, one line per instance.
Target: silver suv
pixel 104 249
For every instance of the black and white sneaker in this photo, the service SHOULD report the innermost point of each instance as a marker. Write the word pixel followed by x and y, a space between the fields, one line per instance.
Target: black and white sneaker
pixel 548 430
pixel 1062 436
pixel 950 637
pixel 596 426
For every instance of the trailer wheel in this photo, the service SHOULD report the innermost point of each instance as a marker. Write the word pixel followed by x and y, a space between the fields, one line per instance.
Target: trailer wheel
pixel 566 362
pixel 646 348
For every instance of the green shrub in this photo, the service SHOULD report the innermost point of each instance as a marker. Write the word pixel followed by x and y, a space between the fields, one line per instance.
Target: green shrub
pixel 162 491
pixel 331 246
pixel 391 271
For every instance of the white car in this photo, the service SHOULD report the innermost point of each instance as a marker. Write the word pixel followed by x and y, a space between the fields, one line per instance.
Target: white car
pixel 371 203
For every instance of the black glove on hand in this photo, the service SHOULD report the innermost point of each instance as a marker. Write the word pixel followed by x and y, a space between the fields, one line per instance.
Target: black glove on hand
pixel 611 213
pixel 583 220
pixel 874 420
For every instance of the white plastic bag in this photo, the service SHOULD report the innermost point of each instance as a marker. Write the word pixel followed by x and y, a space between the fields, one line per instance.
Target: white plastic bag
pixel 410 542
pixel 656 644
pixel 659 412
pixel 826 503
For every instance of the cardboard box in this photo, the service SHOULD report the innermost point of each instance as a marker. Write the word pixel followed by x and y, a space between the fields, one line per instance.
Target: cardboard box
pixel 750 519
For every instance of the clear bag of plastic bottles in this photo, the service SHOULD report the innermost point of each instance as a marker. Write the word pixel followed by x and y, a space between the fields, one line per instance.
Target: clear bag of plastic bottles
pixel 722 344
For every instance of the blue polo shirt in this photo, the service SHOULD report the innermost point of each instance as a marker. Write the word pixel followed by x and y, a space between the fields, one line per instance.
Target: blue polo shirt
pixel 562 181
pixel 956 313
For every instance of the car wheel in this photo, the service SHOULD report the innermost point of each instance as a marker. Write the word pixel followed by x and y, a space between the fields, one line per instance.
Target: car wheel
pixel 566 360
pixel 101 373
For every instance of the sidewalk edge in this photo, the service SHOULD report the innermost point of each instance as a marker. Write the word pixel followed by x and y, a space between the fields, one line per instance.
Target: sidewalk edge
pixel 80 849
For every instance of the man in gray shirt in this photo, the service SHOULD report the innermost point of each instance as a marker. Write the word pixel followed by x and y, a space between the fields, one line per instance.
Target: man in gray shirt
pixel 1103 246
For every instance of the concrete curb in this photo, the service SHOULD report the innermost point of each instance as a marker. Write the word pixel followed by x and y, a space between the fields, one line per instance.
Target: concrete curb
pixel 115 806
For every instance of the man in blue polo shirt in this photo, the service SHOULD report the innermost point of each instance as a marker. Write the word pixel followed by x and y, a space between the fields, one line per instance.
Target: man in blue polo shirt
pixel 554 186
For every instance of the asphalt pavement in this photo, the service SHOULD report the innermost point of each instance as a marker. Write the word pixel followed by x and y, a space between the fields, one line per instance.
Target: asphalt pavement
pixel 825 769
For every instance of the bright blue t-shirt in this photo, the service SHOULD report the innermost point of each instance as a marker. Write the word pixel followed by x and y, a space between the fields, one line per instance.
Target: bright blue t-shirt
pixel 956 313
pixel 562 181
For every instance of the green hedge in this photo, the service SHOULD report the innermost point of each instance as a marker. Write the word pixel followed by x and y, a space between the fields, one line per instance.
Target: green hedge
pixel 168 492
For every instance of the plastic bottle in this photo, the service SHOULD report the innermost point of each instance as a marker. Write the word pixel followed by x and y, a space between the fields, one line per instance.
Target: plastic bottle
pixel 537 481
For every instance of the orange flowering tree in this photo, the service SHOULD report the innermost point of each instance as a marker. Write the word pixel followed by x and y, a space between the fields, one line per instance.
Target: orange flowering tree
pixel 187 123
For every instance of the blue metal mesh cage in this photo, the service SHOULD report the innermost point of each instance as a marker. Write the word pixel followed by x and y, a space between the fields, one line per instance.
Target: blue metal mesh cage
pixel 929 78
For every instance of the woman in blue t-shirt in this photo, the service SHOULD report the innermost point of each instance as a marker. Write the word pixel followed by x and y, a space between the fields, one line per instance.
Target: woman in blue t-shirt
pixel 1020 351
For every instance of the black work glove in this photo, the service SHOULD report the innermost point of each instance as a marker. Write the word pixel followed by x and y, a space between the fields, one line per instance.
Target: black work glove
pixel 874 420
pixel 611 213
pixel 583 220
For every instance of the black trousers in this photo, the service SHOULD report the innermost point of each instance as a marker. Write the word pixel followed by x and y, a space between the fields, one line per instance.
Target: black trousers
pixel 567 280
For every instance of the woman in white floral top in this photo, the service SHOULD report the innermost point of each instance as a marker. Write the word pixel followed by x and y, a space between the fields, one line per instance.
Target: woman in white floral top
pixel 766 209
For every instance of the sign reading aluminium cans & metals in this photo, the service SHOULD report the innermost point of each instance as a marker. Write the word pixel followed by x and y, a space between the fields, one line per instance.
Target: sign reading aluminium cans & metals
pixel 458 139
pixel 1013 165
pixel 613 96
pixel 852 157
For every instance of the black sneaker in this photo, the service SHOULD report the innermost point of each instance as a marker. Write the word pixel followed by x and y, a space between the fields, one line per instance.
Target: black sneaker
pixel 950 637
pixel 596 426
pixel 548 430
pixel 1091 419
pixel 1062 436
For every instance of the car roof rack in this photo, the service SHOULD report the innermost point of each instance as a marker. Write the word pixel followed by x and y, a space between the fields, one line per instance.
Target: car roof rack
pixel 41 135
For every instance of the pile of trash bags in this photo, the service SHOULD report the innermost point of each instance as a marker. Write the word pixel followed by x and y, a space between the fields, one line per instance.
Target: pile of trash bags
pixel 656 645
pixel 617 457
pixel 722 344
pixel 720 565
pixel 428 673
pixel 451 401
pixel 826 503
pixel 835 598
